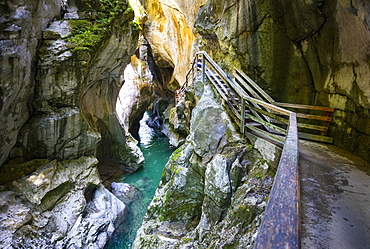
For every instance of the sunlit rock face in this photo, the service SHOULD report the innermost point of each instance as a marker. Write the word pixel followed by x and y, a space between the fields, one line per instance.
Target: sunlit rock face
pixel 169 31
pixel 309 52
pixel 61 204
pixel 137 91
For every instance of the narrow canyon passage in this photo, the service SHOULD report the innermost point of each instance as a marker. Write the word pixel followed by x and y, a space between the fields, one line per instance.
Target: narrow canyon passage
pixel 68 66
pixel 156 151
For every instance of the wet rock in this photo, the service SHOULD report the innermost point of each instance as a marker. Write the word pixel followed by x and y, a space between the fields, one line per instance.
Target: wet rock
pixel 134 98
pixel 61 134
pixel 57 30
pixel 126 192
pixel 53 180
pixel 97 224
pixel 176 124
pixel 13 215
pixel 17 168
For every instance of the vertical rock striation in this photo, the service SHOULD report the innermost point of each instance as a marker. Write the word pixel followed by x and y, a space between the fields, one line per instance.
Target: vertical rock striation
pixel 21 24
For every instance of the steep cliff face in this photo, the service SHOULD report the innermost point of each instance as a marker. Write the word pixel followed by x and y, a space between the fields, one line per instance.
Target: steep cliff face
pixel 77 80
pixel 59 86
pixel 169 31
pixel 22 26
pixel 314 52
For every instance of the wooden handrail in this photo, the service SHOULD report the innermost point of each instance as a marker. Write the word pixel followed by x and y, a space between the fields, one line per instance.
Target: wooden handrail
pixel 309 124
pixel 307 107
pixel 280 225
pixel 259 91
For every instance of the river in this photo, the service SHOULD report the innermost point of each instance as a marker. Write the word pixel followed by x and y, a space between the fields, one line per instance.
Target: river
pixel 156 150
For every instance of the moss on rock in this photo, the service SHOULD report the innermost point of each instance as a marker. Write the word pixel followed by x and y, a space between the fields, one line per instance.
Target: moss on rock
pixel 16 169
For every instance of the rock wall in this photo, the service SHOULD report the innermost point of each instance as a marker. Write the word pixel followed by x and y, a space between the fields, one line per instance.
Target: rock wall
pixel 213 188
pixel 58 103
pixel 53 90
pixel 60 204
pixel 169 31
pixel 21 27
pixel 309 52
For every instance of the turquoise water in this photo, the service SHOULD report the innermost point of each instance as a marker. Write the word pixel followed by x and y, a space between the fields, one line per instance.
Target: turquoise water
pixel 156 150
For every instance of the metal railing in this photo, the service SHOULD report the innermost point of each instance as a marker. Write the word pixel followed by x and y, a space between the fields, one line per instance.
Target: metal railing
pixel 280 225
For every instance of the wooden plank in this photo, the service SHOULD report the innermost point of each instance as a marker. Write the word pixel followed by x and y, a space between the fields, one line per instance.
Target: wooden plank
pixel 248 88
pixel 219 90
pixel 235 111
pixel 313 127
pixel 273 116
pixel 316 117
pixel 269 106
pixel 242 112
pixel 272 126
pixel 231 96
pixel 280 227
pixel 308 107
pixel 265 134
pixel 217 82
pixel 255 85
pixel 313 137
pixel 327 124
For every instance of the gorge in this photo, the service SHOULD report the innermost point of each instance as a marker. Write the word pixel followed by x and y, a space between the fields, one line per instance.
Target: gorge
pixel 77 77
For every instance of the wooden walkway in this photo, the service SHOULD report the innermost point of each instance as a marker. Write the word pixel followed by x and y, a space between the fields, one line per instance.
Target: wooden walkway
pixel 256 112
pixel 335 198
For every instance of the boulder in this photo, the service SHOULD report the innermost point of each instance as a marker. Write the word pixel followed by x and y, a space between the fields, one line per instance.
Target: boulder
pixel 61 204
pixel 215 179
pixel 126 192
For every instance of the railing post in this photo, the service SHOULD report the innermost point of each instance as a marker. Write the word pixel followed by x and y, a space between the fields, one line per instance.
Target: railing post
pixel 242 116
pixel 203 68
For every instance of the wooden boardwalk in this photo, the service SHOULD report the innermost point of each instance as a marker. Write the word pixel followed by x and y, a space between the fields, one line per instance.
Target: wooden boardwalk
pixel 335 202
pixel 335 198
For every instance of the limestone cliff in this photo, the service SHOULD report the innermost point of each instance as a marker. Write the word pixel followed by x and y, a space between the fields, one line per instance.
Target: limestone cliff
pixel 21 32
pixel 61 63
pixel 169 31
pixel 309 52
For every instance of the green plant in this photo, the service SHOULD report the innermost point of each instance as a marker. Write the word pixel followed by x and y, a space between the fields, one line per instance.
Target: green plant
pixel 100 17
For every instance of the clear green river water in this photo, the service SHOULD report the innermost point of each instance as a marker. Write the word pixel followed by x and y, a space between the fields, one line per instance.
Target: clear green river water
pixel 156 150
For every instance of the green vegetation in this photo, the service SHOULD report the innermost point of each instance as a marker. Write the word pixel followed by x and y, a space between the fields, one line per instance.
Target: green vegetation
pixel 100 18
pixel 85 34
